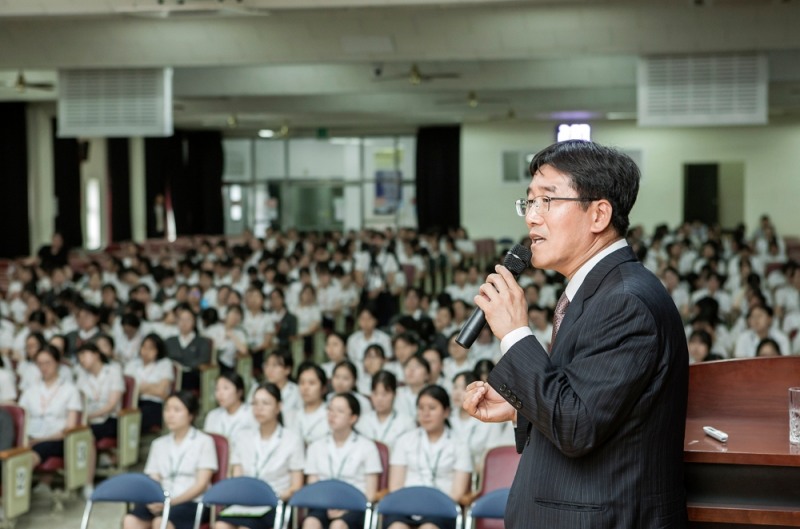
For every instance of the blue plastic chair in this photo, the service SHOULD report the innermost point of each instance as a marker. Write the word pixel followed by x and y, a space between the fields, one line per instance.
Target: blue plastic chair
pixel 491 505
pixel 331 494
pixel 247 491
pixel 128 488
pixel 418 501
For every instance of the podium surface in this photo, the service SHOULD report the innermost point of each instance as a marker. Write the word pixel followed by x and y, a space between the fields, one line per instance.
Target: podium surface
pixel 753 479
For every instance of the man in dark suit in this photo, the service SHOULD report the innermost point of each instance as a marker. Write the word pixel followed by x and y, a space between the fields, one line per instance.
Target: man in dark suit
pixel 599 418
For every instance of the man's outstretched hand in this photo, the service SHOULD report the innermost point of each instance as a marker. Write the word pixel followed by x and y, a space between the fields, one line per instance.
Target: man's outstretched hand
pixel 485 404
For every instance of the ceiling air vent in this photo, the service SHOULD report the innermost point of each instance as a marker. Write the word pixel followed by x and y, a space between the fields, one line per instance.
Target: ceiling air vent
pixel 115 103
pixel 702 90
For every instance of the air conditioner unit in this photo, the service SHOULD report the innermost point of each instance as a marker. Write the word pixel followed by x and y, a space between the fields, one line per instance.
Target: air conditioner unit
pixel 702 90
pixel 115 103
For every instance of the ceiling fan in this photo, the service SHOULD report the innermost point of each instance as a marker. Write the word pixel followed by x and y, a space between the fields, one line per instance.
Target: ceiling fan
pixel 414 75
pixel 22 85
pixel 473 101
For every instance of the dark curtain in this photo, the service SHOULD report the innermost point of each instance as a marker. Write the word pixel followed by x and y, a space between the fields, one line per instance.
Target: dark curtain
pixel 14 198
pixel 119 179
pixel 163 159
pixel 438 178
pixel 67 184
pixel 187 168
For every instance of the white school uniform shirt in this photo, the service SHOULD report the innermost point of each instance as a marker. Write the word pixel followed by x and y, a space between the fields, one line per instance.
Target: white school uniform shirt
pixel 478 436
pixel 151 373
pixel 748 341
pixel 177 464
pixel 256 326
pixel 351 462
pixel 485 351
pixel 405 401
pixel 97 390
pixel 357 344
pixel 127 349
pixel 230 426
pixel 310 427
pixel 307 316
pixel 431 464
pixel 450 368
pixel 271 459
pixel 48 407
pixel 388 431
pixel 30 375
pixel 8 385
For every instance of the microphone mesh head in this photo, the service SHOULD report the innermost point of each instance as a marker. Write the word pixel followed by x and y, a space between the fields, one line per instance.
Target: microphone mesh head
pixel 517 259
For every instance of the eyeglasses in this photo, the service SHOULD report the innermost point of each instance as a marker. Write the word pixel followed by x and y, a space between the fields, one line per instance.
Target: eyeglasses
pixel 541 205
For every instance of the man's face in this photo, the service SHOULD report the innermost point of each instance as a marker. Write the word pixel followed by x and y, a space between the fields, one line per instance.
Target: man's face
pixel 561 239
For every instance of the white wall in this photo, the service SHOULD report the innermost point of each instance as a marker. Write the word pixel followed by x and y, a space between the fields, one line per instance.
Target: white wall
pixel 770 154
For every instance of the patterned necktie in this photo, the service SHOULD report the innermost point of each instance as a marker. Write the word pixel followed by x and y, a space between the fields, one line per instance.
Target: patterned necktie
pixel 558 316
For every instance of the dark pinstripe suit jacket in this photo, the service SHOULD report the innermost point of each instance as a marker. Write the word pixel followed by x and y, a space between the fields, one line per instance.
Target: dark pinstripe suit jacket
pixel 601 421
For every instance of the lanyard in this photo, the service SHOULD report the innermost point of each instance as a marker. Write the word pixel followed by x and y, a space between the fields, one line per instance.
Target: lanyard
pixel 261 466
pixel 388 426
pixel 338 475
pixel 433 468
pixel 45 403
pixel 175 466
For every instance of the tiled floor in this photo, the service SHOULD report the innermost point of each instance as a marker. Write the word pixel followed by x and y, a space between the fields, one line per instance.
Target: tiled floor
pixel 42 516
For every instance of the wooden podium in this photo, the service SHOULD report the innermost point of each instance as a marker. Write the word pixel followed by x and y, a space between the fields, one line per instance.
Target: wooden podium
pixel 752 480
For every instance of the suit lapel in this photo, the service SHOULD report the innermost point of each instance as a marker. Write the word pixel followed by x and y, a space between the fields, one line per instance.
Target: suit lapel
pixel 587 290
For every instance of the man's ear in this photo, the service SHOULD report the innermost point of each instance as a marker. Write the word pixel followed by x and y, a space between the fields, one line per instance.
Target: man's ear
pixel 601 211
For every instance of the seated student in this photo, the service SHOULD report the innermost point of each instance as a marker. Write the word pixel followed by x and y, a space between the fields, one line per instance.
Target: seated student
pixel 759 322
pixel 417 372
pixel 309 318
pixel 700 348
pixel 374 362
pixel 52 406
pixel 309 421
pixel 430 456
pixel 233 417
pixel 486 346
pixel 8 381
pixel 27 370
pixel 404 346
pixel 344 455
pixel 458 360
pixel 345 376
pixel 102 387
pixel 154 375
pixel 228 337
pixel 8 434
pixel 368 333
pixel 335 351
pixel 435 358
pixel 384 423
pixel 768 347
pixel 278 367
pixel 270 453
pixel 482 369
pixel 183 462
pixel 284 322
pixel 478 436
pixel 189 349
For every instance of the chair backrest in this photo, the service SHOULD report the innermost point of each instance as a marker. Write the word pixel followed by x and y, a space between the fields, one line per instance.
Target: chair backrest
pixel 499 468
pixel 492 505
pixel 17 414
pixel 383 479
pixel 330 494
pixel 223 449
pixel 130 398
pixel 128 488
pixel 419 501
pixel 131 488
pixel 241 491
pixel 488 511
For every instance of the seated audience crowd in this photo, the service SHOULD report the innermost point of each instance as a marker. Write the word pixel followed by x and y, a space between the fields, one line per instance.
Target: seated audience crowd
pixel 352 342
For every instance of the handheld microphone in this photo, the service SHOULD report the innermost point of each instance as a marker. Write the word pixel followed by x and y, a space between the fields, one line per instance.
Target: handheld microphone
pixel 516 260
